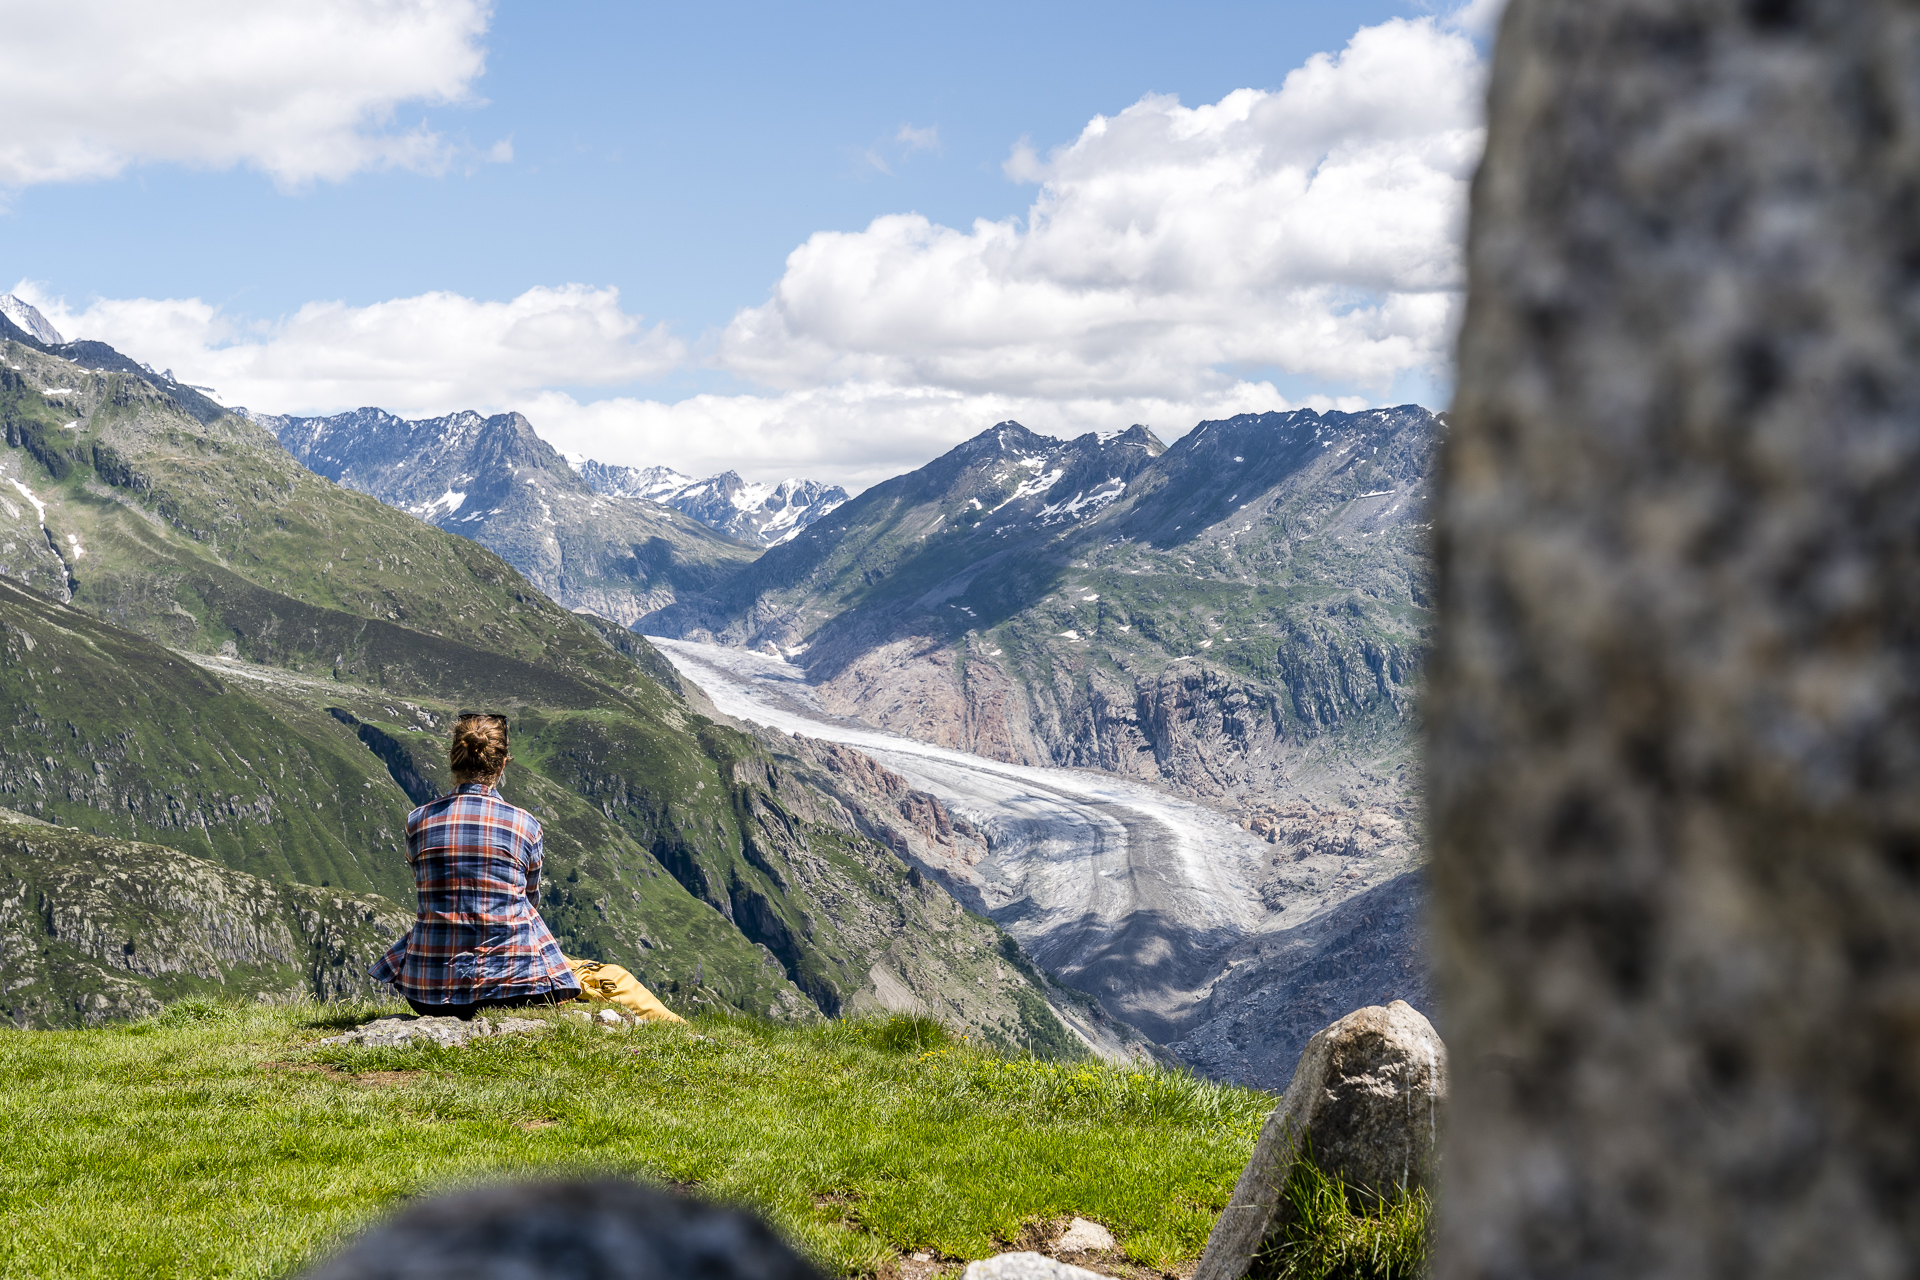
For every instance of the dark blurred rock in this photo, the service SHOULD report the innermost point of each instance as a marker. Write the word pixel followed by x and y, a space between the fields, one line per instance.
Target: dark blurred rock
pixel 1367 1102
pixel 1674 712
pixel 603 1230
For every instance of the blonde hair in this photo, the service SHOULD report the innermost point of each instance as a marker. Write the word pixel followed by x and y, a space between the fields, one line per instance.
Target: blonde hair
pixel 478 752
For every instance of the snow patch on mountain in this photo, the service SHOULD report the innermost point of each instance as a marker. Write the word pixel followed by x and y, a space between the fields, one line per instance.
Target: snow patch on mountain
pixel 767 513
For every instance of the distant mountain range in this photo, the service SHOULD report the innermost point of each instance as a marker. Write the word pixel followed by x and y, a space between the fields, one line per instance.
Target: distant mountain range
pixel 1096 602
pixel 494 480
pixel 1241 615
pixel 759 513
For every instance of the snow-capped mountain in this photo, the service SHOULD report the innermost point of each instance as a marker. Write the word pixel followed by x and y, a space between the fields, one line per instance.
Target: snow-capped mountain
pixel 28 317
pixel 651 483
pixel 762 513
pixel 497 482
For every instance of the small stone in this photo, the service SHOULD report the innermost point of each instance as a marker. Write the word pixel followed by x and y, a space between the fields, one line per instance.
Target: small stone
pixel 1026 1266
pixel 1084 1237
pixel 608 1015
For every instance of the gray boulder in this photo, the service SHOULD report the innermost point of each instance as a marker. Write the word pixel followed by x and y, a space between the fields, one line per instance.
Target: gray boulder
pixel 1368 1099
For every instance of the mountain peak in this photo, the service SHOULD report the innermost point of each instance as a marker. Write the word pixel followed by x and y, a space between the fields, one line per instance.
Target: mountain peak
pixel 28 317
pixel 755 512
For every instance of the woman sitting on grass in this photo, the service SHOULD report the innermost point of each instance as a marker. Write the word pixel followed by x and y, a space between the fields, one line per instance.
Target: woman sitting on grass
pixel 478 941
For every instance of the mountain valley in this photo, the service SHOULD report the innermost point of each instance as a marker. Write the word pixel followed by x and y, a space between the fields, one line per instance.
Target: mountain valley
pixel 214 650
pixel 1227 630
pixel 1240 616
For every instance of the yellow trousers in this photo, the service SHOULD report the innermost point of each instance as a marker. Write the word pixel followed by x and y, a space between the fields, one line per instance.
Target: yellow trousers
pixel 615 985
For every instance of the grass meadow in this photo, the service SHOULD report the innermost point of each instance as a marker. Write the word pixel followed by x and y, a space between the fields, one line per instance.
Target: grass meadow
pixel 221 1139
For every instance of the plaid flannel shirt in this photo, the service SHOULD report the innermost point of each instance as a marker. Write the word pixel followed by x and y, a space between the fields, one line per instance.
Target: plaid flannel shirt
pixel 477 934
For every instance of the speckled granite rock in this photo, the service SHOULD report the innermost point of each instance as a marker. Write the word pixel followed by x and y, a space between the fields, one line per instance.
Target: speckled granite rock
pixel 1675 702
pixel 1368 1098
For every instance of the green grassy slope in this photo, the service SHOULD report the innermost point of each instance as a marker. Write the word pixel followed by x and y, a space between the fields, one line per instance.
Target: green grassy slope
pixel 334 637
pixel 221 1140
pixel 94 929
pixel 111 733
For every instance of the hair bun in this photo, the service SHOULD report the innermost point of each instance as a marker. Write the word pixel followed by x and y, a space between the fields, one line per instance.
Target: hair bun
pixel 479 747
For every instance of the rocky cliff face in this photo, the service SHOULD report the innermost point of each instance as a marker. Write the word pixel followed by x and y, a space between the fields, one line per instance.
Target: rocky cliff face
pixel 1240 615
pixel 495 481
pixel 95 930
pixel 758 513
pixel 27 317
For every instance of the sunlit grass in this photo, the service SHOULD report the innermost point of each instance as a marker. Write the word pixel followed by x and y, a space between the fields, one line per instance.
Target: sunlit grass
pixel 1339 1234
pixel 220 1139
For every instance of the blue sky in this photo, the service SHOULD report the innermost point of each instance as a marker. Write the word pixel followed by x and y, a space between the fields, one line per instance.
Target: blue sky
pixel 678 155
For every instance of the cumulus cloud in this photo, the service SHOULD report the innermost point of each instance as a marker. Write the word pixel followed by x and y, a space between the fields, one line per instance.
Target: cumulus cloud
pixel 1177 263
pixel 854 433
pixel 1314 229
pixel 299 91
pixel 420 355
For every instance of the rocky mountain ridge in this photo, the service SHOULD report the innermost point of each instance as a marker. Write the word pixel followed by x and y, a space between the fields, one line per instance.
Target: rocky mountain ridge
pixel 493 479
pixel 1241 616
pixel 28 319
pixel 761 513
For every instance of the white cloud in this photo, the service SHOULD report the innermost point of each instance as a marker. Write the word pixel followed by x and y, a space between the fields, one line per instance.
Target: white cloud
pixel 852 433
pixel 1174 261
pixel 903 144
pixel 299 91
pixel 421 355
pixel 1314 229
pixel 912 139
pixel 1478 18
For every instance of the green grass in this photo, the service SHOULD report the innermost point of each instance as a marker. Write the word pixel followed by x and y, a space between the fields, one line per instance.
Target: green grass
pixel 221 1139
pixel 1338 1234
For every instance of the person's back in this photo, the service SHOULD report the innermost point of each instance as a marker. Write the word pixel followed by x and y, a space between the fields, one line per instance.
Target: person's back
pixel 478 940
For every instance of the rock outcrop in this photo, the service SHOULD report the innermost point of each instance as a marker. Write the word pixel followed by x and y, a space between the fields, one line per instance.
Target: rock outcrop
pixel 1674 714
pixel 1367 1104
pixel 96 930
